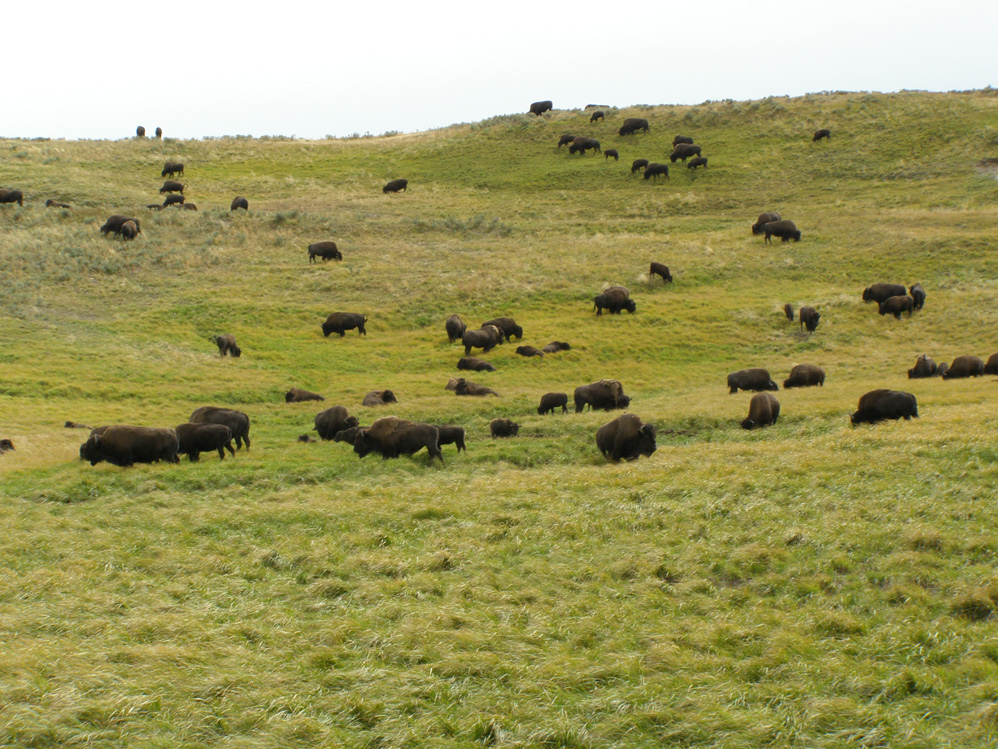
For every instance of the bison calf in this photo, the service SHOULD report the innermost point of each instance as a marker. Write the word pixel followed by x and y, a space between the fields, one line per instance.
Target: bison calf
pixel 503 428
pixel 657 269
pixel 551 401
pixel 195 439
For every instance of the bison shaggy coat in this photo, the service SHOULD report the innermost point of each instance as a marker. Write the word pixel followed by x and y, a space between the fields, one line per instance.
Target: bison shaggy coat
pixel 455 328
pixel 764 410
pixel 638 164
pixel 632 125
pixel 896 305
pixel 124 445
pixel 297 395
pixel 681 139
pixel 755 379
pixel 379 398
pixel 392 437
pixel 115 222
pixel 785 230
pixel 881 292
pixel 879 405
pixel 540 107
pixel 237 421
pixel 195 439
pixel 765 218
pixel 508 327
pixel 503 428
pixel 129 230
pixel 918 294
pixel 597 115
pixel 324 251
pixel 605 395
pixel 552 401
pixel 173 199
pixel 485 338
pixel 341 322
pixel 626 437
pixel 965 366
pixel 656 170
pixel 227 345
pixel 474 364
pixel 238 203
pixel 333 420
pixel 924 368
pixel 658 269
pixel 804 375
pixel 463 387
pixel 613 300
pixel 172 186
pixel 684 151
pixel 809 318
pixel 396 185
pixel 171 168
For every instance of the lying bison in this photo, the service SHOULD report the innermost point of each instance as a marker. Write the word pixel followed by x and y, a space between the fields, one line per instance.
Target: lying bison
pixel 917 293
pixel 194 439
pixel 540 107
pixel 755 379
pixel 895 305
pixel 455 328
pixel 238 203
pixel 379 398
pixel 12 196
pixel 503 428
pixel 6 445
pixel 638 164
pixel 227 345
pixel 555 346
pixel 508 327
pixel 341 322
pixel 625 438
pixel 632 125
pixel 552 401
pixel 171 168
pixel 114 223
pixel 823 133
pixel 392 437
pixel 964 366
pixel 803 376
pixel 529 351
pixel 605 395
pixel 172 186
pixel 764 410
pixel 785 230
pixel 452 436
pixel 463 387
pixel 809 318
pixel 50 203
pixel 765 218
pixel 657 170
pixel 881 292
pixel 486 338
pixel 124 445
pixel 658 269
pixel 613 300
pixel 237 421
pixel 297 395
pixel 323 251
pixel 991 366
pixel 396 185
pixel 474 364
pixel 333 420
pixel 879 405
pixel 684 151
pixel 924 368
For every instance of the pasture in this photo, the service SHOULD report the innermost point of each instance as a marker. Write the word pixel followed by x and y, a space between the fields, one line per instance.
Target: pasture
pixel 806 584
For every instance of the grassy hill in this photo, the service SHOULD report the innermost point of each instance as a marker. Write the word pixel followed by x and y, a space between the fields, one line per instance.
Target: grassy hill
pixel 808 584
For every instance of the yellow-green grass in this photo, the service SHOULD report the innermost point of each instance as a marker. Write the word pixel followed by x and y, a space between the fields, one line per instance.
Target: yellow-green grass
pixel 808 584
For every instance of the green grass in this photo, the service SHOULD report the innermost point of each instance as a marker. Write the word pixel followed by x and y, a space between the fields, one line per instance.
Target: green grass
pixel 808 584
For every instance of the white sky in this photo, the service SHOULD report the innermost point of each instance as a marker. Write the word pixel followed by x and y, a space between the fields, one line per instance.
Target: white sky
pixel 98 69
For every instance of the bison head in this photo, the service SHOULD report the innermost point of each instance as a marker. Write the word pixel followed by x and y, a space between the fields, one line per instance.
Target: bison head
pixel 388 397
pixel 772 385
pixel 630 306
pixel 362 444
pixel 326 330
pixel 90 450
pixel 646 440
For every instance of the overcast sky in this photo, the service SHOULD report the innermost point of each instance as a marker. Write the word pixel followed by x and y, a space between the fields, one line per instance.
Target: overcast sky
pixel 99 69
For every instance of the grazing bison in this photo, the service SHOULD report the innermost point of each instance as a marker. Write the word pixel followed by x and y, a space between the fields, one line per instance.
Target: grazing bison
pixel 555 346
pixel 625 437
pixel 803 376
pixel 455 328
pixel 698 161
pixel 508 327
pixel 227 345
pixel 751 379
pixel 965 366
pixel 12 196
pixel 823 133
pixel 348 435
pixel 113 224
pixel 129 230
pixel 611 152
pixel 392 437
pixel 485 338
pixel 237 421
pixel 657 269
pixel 171 185
pixel 583 144
pixel 540 107
pixel 632 125
pixel 605 395
pixel 529 351
pixel 140 132
pixel 238 203
pixel 765 218
pixel 918 295
pixel 159 132
pixel 551 401
pixel 881 292
pixel 613 300
pixel 764 410
pixel 171 168
pixel 566 140
pixel 788 310
pixel 340 322
pixel 332 421
pixel 785 230
pixel 323 250
pixel 6 445
pixel 475 365
pixel 297 395
pixel 925 367
pixel 452 436
pixel 194 439
pixel 684 151
pixel 896 305
pixel 503 428
pixel 396 185
pixel 173 199
pixel 682 139
pixel 638 164
pixel 655 169
pixel 809 317
pixel 878 405
pixel 379 398
pixel 124 445
pixel 597 115
pixel 991 367
pixel 50 203
pixel 463 387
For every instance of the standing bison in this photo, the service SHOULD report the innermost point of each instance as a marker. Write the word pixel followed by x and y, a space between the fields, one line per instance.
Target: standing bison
pixel 881 292
pixel 159 132
pixel 333 420
pixel 611 152
pixel 638 164
pixel 613 300
pixel 583 144
pixel 238 203
pixel 918 295
pixel 605 395
pixel 991 366
pixel 449 435
pixel 552 401
pixel 566 139
pixel 765 218
pixel 227 345
pixel 508 327
pixel 171 185
pixel 140 132
pixel 194 439
pixel 115 222
pixel 171 168
pixel 237 421
pixel 455 328
pixel 656 170
pixel 12 196
pixel 392 437
pixel 396 185
pixel 895 305
pixel 964 366
pixel 696 162
pixel 632 125
pixel 485 338
pixel 823 133
pixel 682 139
pixel 764 410
pixel 755 379
pixel 684 151
pixel 129 230
pixel 658 269
pixel 809 318
pixel 540 107
pixel 124 445
pixel 785 230
pixel 341 322
pixel 879 405
pixel 597 115
pixel 804 375
pixel 323 251
pixel 626 437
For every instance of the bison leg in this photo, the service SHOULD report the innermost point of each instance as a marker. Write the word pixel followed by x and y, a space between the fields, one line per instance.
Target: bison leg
pixel 194 456
pixel 228 446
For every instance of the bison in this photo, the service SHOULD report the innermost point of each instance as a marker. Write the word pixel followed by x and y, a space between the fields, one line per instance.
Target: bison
pixel 583 144
pixel 188 206
pixel 555 346
pixel 684 151
pixel 297 395
pixel 194 439
pixel 392 437
pixel 917 293
pixel 50 203
pixel 173 199
pixel 611 152
pixel 238 203
pixel 124 445
pixel 626 437
pixel 682 139
pixel 396 185
pixel 655 170
pixel 764 410
pixel 485 338
pixel 503 428
pixel 765 218
pixel 508 327
pixel 6 445
pixel 171 168
pixel 172 186
pixel 878 405
pixel 113 224
pixel 340 322
pixel 475 365
pixel 379 398
pixel 788 310
pixel 566 140
pixel 696 162
pixel 333 420
pixel 551 401
pixel 632 125
pixel 638 164
pixel 140 132
pixel 895 305
pixel 129 230
pixel 965 366
pixel 227 345
pixel 613 300
pixel 237 421
pixel 452 436
pixel 881 292
pixel 991 366
pixel 348 435
pixel 455 328
pixel 323 250
pixel 809 318
pixel 159 132
pixel 755 379
pixel 529 351
pixel 785 230
pixel 658 269
pixel 605 395
pixel 803 376
pixel 463 387
pixel 924 368
pixel 540 107
pixel 12 196
pixel 823 133
pixel 597 115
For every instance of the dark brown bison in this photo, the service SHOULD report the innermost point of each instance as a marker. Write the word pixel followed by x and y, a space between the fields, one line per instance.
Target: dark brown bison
pixel 238 203
pixel 551 401
pixel 785 230
pixel 656 170
pixel 475 365
pixel 50 203
pixel 324 251
pixel 658 269
pixel 6 445
pixel 129 230
pixel 486 338
pixel 788 310
pixel 809 318
pixel 341 322
pixel 227 345
pixel 613 300
pixel 529 351
pixel 896 305
pixel 451 384
pixel 508 327
pixel 566 140
pixel 463 387
pixel 194 439
pixel 924 368
pixel 396 185
pixel 540 107
pixel 684 151
pixel 697 162
pixel 991 367
pixel 764 410
pixel 632 125
pixel 918 295
pixel 140 132
pixel 965 366
pixel 878 405
pixel 751 379
pixel 823 133
pixel 455 328
pixel 392 437
pixel 173 199
pixel 159 132
pixel 765 218
pixel 555 346
pixel 333 420
pixel 803 376
pixel 12 196
pixel 625 438
pixel 503 428
pixel 452 436
pixel 611 152
pixel 379 398
pixel 638 164
pixel 682 139
pixel 583 144
pixel 348 435
pixel 171 168
pixel 605 395
pixel 113 224
pixel 124 445
pixel 881 292
pixel 237 421
pixel 597 115
pixel 297 395
pixel 172 185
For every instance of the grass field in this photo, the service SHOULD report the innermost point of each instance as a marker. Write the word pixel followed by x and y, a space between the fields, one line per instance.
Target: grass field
pixel 808 584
